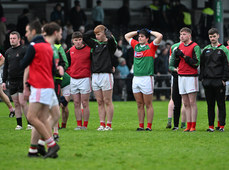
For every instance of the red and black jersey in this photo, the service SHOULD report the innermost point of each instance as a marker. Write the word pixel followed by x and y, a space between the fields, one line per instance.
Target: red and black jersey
pixel 186 67
pixel 39 58
pixel 80 62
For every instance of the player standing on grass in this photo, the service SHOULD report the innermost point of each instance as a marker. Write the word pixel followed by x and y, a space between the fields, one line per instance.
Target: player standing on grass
pixel 79 57
pixel 103 66
pixel 3 96
pixel 189 54
pixel 214 72
pixel 40 78
pixel 143 81
pixel 13 74
pixel 176 97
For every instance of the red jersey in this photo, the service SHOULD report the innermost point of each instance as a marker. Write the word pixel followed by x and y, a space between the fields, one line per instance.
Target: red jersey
pixel 80 62
pixel 39 57
pixel 184 68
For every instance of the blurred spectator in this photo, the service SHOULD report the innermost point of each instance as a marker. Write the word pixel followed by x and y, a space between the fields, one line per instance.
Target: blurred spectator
pixel 57 15
pixel 123 17
pixel 67 35
pixel 43 21
pixel 156 15
pixel 22 21
pixel 129 56
pixel 82 29
pixel 98 14
pixel 181 16
pixel 77 16
pixel 1 11
pixel 161 67
pixel 3 33
pixel 123 69
pixel 206 20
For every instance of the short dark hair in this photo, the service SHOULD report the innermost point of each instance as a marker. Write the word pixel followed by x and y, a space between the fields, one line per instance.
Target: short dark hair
pixel 186 29
pixel 77 34
pixel 213 31
pixel 16 33
pixel 50 28
pixel 144 32
pixel 35 25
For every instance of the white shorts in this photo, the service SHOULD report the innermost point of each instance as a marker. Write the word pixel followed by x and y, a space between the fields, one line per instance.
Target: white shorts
pixel 82 86
pixel 227 89
pixel 45 96
pixel 0 80
pixel 66 90
pixel 188 84
pixel 143 84
pixel 104 81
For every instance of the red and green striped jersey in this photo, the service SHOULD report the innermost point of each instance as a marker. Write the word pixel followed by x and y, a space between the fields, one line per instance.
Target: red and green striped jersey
pixel 144 56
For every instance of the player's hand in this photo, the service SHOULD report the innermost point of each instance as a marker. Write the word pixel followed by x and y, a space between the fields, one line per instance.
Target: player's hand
pixel 61 70
pixel 224 83
pixel 26 93
pixel 148 30
pixel 4 86
pixel 176 69
pixel 178 52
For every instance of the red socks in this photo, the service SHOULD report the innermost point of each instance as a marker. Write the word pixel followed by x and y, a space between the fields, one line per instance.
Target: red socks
pixel 79 122
pixel 102 124
pixel 149 125
pixel 141 125
pixel 85 123
pixel 63 125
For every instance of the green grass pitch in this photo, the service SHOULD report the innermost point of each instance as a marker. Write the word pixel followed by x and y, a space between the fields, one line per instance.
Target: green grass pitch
pixel 122 148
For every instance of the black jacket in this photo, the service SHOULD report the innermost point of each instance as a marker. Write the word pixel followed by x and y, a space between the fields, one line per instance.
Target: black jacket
pixel 11 70
pixel 103 59
pixel 214 65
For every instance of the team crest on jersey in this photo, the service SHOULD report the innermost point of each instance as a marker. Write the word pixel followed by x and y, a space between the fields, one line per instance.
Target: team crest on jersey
pixel 17 55
pixel 72 52
pixel 138 54
pixel 219 52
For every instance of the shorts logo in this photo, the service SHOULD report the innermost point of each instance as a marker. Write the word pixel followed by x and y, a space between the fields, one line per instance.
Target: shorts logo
pixel 138 54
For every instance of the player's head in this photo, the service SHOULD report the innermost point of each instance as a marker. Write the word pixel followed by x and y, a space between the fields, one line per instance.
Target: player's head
pixel 32 29
pixel 213 35
pixel 143 36
pixel 15 39
pixel 185 34
pixel 77 39
pixel 52 29
pixel 100 33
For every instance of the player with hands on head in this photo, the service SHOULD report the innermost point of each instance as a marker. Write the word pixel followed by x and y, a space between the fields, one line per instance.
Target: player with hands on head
pixel 143 81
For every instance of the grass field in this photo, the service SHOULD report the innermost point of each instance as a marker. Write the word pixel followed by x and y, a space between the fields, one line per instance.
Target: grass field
pixel 122 148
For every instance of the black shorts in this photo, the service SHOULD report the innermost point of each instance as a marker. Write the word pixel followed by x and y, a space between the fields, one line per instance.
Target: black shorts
pixel 16 86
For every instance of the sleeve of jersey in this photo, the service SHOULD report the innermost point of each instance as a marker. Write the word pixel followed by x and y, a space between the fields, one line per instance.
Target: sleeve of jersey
pixel 226 66
pixel 28 58
pixel 133 42
pixel 68 58
pixel 202 66
pixel 153 48
pixel 62 52
pixel 194 61
pixel 88 38
pixel 172 62
pixel 227 53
